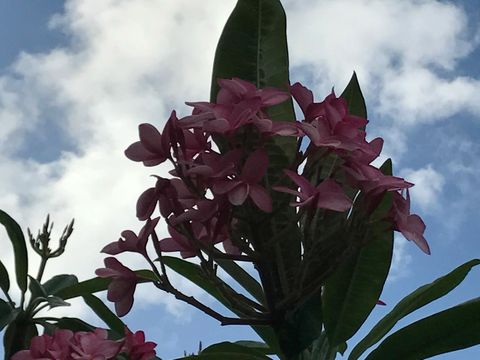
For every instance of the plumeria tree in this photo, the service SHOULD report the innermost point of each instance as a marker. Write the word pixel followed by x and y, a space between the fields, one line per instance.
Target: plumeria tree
pixel 296 197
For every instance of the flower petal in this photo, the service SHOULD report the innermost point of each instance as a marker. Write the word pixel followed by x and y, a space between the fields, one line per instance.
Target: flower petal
pixel 261 198
pixel 255 166
pixel 238 195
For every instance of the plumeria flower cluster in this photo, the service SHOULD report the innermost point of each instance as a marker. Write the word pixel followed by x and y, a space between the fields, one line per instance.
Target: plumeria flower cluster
pixel 208 186
pixel 83 345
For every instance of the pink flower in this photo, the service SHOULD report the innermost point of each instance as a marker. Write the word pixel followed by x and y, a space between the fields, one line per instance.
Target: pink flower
pixel 327 195
pixel 328 124
pixel 368 178
pixel 246 185
pixel 172 195
pixel 206 234
pixel 410 225
pixel 122 285
pixel 131 242
pixel 136 347
pixel 235 90
pixel 56 347
pixel 238 103
pixel 94 346
pixel 149 149
pixel 212 165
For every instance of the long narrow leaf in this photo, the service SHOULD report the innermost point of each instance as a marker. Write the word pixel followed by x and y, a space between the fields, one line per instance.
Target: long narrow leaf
pixel 15 234
pixel 452 329
pixel 104 313
pixel 59 282
pixel 4 278
pixel 352 291
pixel 247 281
pixel 417 299
pixel 225 347
pixel 253 47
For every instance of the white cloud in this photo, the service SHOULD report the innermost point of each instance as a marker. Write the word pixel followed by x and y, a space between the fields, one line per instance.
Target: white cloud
pixel 126 63
pixel 429 184
pixel 405 54
pixel 133 61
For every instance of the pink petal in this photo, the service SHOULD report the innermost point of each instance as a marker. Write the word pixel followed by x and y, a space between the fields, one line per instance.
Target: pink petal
pixel 171 244
pixel 261 198
pixel 150 138
pixel 255 167
pixel 284 128
pixel 224 186
pixel 413 231
pixel 332 197
pixel 146 204
pixel 220 126
pixel 112 249
pixel 302 95
pixel 303 183
pixel 238 195
pixel 333 115
pixel 286 190
pixel 137 152
pixel 118 288
pixel 124 306
pixel 272 96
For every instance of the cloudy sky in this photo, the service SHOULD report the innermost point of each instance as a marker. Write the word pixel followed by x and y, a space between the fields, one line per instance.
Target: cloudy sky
pixel 78 76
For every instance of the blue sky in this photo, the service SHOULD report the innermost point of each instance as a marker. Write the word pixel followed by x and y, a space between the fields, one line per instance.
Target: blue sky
pixel 77 77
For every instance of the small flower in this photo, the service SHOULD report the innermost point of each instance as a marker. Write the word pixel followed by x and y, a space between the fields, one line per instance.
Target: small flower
pixel 94 346
pixel 246 185
pixel 370 179
pixel 136 347
pixel 327 195
pixel 46 347
pixel 131 242
pixel 121 287
pixel 149 149
pixel 410 225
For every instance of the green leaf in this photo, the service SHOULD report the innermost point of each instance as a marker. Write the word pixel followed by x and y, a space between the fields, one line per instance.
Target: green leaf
pixel 4 278
pixel 259 346
pixel 36 289
pixel 417 299
pixel 19 249
pixel 104 313
pixel 452 329
pixel 352 292
pixel 303 325
pixel 354 97
pixel 7 314
pixel 228 347
pixel 194 273
pixel 226 355
pixel 243 278
pixel 55 301
pixel 18 335
pixel 73 324
pixel 253 47
pixel 59 282
pixel 97 284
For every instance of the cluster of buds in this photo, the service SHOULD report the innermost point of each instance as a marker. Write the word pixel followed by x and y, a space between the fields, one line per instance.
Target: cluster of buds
pixel 202 204
pixel 67 345
pixel 40 243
